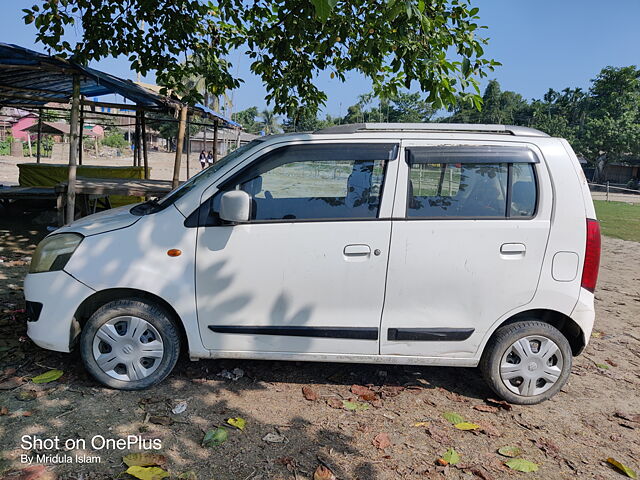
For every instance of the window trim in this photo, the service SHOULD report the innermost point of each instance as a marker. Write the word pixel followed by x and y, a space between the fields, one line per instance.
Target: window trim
pixel 197 217
pixel 507 215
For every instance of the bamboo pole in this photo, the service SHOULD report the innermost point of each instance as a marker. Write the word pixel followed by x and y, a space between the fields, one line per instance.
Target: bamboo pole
pixel 215 141
pixel 179 144
pixel 188 134
pixel 145 152
pixel 73 150
pixel 39 151
pixel 81 137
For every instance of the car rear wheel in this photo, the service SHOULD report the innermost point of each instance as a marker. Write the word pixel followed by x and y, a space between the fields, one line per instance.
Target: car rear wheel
pixel 129 344
pixel 527 362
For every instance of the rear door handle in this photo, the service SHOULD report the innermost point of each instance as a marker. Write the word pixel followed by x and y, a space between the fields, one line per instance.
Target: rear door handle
pixel 513 249
pixel 358 250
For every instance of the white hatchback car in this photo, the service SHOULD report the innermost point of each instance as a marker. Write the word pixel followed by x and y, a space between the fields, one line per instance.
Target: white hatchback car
pixel 423 244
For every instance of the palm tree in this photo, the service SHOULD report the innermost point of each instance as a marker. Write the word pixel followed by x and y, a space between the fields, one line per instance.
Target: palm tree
pixel 269 124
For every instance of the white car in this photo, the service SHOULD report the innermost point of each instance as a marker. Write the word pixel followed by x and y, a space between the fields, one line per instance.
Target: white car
pixel 422 244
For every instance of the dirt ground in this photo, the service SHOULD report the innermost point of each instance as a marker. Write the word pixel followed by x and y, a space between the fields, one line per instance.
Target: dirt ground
pixel 287 436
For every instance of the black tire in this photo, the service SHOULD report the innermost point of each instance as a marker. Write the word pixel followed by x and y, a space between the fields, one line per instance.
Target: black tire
pixel 503 339
pixel 154 315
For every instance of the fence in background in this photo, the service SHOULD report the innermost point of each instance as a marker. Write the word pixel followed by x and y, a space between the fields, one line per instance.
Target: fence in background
pixel 610 193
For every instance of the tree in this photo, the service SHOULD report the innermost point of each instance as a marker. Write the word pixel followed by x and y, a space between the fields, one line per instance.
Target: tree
pixel 612 129
pixel 269 124
pixel 498 107
pixel 247 118
pixel 394 43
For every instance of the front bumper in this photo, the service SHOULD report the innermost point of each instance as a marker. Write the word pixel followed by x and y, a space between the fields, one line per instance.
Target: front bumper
pixel 60 295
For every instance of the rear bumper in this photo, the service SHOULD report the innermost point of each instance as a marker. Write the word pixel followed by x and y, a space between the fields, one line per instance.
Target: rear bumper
pixel 59 295
pixel 584 314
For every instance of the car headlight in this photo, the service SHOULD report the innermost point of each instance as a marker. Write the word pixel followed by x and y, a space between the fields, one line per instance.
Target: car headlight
pixel 54 252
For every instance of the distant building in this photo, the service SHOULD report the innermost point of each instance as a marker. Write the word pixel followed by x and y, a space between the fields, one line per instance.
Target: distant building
pixel 228 140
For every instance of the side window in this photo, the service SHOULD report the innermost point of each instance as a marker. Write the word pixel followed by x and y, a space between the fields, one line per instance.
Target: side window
pixel 471 182
pixel 523 190
pixel 315 182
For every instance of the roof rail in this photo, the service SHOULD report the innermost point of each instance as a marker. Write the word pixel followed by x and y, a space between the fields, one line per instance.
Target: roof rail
pixel 433 127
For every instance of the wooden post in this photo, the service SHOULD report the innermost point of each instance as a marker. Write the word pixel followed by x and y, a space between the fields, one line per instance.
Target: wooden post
pixel 143 127
pixel 188 134
pixel 215 141
pixel 73 150
pixel 181 128
pixel 29 144
pixel 39 150
pixel 81 137
pixel 137 156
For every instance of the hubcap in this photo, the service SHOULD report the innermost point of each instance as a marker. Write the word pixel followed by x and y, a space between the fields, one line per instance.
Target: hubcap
pixel 531 366
pixel 128 348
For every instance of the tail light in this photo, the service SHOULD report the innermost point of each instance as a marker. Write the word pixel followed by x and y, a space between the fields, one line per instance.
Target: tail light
pixel 591 256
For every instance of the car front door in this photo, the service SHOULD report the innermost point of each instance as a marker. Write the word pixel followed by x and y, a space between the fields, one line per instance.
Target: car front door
pixel 469 237
pixel 307 273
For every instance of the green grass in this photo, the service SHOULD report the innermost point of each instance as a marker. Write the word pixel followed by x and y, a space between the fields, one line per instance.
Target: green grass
pixel 619 219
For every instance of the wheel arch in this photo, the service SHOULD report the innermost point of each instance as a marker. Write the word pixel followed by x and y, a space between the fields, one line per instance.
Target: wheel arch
pixel 565 324
pixel 93 302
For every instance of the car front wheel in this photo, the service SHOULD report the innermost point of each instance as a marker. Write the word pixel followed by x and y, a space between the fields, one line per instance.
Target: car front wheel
pixel 527 362
pixel 129 344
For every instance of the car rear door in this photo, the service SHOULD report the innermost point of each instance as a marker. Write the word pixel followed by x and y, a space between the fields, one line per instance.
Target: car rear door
pixel 467 247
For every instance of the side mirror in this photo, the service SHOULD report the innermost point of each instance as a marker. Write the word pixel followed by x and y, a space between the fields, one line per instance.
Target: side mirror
pixel 235 206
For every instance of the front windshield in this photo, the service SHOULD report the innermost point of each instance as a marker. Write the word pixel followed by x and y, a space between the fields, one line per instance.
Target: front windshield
pixel 207 173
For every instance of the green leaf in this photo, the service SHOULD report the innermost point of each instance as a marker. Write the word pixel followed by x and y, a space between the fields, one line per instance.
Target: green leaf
pixel 50 376
pixel 323 8
pixel 147 473
pixel 453 417
pixel 237 422
pixel 521 465
pixel 216 437
pixel 466 426
pixel 451 456
pixel 603 366
pixel 466 66
pixel 510 451
pixel 623 468
pixel 355 406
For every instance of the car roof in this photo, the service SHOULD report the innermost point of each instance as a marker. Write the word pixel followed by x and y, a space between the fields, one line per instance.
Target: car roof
pixel 433 127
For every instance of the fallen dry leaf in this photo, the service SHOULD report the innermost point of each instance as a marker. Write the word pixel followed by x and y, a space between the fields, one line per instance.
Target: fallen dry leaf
pixel 160 420
pixel 500 403
pixel 11 383
pixel 548 447
pixel 334 402
pixel 381 441
pixel 633 417
pixel 4 411
pixel 309 394
pixel 363 393
pixel 486 408
pixel 27 395
pixel 323 473
pixel 391 391
pixel 288 462
pixel 488 429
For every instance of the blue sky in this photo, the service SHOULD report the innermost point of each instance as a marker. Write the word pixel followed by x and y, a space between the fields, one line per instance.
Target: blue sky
pixel 541 44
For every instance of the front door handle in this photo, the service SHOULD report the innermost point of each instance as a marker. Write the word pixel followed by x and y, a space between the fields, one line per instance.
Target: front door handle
pixel 358 250
pixel 513 249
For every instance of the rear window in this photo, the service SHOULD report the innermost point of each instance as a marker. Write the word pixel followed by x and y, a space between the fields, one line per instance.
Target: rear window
pixel 471 182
